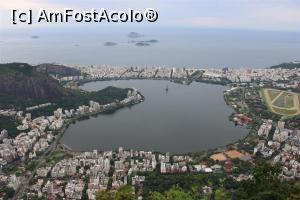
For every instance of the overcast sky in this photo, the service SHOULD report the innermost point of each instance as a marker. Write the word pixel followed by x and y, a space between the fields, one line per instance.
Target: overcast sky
pixel 274 15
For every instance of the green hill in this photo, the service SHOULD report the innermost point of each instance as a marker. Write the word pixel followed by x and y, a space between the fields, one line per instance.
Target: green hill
pixel 23 85
pixel 289 65
pixel 58 70
pixel 22 80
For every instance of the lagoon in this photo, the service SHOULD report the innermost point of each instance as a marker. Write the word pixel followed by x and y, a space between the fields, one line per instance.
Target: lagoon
pixel 182 119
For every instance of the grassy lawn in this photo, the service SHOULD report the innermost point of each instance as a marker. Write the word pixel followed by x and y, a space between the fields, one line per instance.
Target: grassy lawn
pixel 284 111
pixel 262 93
pixel 289 101
pixel 285 100
pixel 273 94
pixel 284 103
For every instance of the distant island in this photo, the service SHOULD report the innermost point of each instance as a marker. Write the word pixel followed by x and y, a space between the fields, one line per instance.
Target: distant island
pixel 110 44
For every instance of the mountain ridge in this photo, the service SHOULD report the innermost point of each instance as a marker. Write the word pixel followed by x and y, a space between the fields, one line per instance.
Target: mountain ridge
pixel 290 65
pixel 23 80
pixel 57 69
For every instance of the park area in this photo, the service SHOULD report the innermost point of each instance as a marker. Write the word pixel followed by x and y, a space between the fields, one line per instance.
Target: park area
pixel 281 102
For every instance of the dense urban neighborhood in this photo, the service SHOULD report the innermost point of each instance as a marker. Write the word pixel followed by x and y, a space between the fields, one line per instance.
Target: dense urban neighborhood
pixel 35 165
pixel 279 77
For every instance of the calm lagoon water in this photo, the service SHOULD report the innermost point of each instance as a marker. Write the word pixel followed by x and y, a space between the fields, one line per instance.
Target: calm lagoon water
pixel 184 119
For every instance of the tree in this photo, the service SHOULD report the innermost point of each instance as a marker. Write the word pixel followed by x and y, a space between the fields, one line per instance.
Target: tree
pixel 175 193
pixel 123 193
pixel 266 185
pixel 222 194
pixel 104 195
pixel 9 192
pixel 157 196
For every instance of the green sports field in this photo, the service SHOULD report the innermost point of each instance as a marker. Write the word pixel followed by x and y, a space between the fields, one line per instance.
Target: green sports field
pixel 281 102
